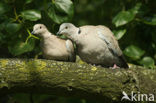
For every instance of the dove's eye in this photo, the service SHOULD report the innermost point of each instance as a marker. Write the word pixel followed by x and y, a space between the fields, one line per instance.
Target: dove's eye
pixel 40 27
pixel 66 27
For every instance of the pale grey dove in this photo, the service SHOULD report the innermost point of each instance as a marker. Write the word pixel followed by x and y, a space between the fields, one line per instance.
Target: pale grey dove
pixel 53 47
pixel 95 44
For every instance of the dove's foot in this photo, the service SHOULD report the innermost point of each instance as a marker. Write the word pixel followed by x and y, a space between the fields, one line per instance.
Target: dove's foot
pixel 114 67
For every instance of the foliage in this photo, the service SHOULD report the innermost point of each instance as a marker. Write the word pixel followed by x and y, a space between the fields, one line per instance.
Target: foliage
pixel 133 23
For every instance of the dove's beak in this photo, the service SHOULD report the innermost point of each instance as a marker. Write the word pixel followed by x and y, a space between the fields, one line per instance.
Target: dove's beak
pixel 32 32
pixel 58 33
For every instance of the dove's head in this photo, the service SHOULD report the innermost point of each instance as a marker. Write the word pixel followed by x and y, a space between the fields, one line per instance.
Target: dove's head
pixel 68 29
pixel 39 29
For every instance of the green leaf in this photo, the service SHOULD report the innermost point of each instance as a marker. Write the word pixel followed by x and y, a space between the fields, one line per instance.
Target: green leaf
pixel 61 11
pixel 125 17
pixel 147 62
pixel 136 8
pixel 32 15
pixel 122 18
pixel 119 33
pixel 134 52
pixel 63 37
pixel 3 8
pixel 150 20
pixel 12 27
pixel 64 6
pixel 56 18
pixel 28 1
pixel 21 47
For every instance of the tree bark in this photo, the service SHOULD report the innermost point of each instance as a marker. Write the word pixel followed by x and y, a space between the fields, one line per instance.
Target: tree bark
pixel 73 79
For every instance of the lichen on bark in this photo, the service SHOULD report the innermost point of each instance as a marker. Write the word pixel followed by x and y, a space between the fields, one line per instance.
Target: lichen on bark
pixel 73 79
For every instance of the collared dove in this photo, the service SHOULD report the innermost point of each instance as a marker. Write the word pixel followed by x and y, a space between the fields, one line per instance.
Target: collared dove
pixel 53 47
pixel 95 44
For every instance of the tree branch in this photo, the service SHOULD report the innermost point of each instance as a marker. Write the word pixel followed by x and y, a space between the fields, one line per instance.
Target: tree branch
pixel 72 79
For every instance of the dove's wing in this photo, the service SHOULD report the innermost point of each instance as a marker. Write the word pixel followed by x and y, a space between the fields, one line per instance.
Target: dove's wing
pixel 113 46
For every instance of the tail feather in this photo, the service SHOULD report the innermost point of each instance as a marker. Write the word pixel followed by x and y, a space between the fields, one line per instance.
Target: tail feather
pixel 72 57
pixel 123 62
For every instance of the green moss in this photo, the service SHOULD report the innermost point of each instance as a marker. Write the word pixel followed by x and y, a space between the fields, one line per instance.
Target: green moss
pixel 3 62
pixel 93 68
pixel 73 77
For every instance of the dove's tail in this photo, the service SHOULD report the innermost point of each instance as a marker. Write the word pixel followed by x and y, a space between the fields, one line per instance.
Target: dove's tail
pixel 123 62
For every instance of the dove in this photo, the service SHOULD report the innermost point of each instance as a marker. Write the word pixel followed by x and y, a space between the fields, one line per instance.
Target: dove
pixel 95 44
pixel 53 47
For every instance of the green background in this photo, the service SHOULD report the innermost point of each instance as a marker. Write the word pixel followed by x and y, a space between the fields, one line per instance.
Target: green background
pixel 133 23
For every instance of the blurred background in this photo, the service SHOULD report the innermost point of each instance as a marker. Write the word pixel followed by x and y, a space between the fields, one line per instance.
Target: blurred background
pixel 133 23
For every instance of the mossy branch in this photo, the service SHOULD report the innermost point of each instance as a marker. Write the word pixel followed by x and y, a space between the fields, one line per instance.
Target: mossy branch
pixel 72 79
